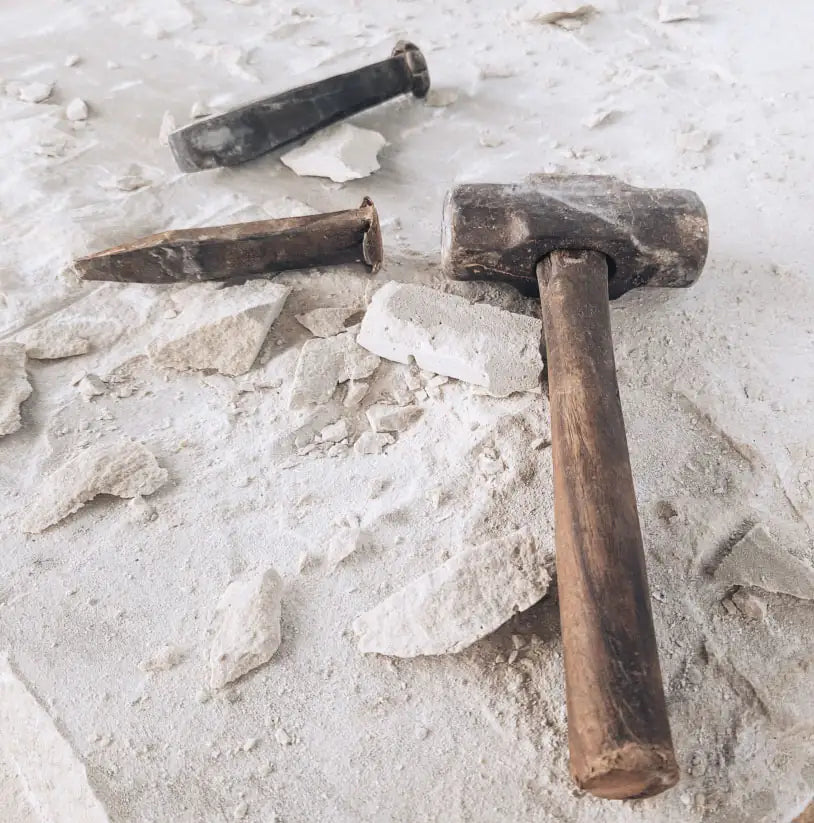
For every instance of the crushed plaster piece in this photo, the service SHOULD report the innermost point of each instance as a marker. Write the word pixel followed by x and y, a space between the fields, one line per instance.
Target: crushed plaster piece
pixel 460 601
pixel 440 98
pixel 282 737
pixel 56 783
pixel 335 432
pixel 90 386
pixel 474 342
pixel 326 362
pixel 326 322
pixel 122 469
pixel 166 128
pixel 199 109
pixel 14 386
pixel 344 543
pixel 757 560
pixel 249 631
pixel 72 60
pixel 674 11
pixel 566 18
pixel 35 92
pixel 77 110
pixel 357 390
pixel 694 140
pixel 599 117
pixel 373 442
pixel 221 329
pixel 386 418
pixel 341 153
pixel 162 659
pixel 53 341
pixel 242 808
pixel 141 510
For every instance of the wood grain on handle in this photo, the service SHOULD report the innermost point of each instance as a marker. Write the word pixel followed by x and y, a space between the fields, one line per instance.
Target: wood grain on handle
pixel 619 735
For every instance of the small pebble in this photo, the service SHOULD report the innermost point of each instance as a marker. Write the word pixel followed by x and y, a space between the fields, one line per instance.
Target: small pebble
pixel 77 110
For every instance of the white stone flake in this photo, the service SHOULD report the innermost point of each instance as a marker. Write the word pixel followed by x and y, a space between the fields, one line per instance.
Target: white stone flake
pixel 122 469
pixel 324 363
pixel 758 560
pixel 446 334
pixel 460 601
pixel 248 633
pixel 221 329
pixel 341 153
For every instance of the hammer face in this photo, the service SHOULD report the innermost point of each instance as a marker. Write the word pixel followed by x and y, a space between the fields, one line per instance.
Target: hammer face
pixel 656 237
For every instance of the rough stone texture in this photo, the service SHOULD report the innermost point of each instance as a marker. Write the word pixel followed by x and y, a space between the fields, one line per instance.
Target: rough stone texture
pixel 14 386
pixel 221 329
pixel 757 560
pixel 326 322
pixel 54 782
pixel 53 341
pixel 446 334
pixel 342 153
pixel 122 469
pixel 461 601
pixel 324 363
pixel 249 630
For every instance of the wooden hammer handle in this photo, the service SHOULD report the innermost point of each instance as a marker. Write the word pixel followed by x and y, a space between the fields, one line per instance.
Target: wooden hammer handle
pixel 619 735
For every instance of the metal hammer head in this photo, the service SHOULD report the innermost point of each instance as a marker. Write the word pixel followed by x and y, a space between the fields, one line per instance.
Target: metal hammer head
pixel 655 237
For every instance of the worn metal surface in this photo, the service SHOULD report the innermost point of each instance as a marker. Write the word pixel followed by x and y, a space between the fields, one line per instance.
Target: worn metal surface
pixel 259 127
pixel 243 249
pixel 655 237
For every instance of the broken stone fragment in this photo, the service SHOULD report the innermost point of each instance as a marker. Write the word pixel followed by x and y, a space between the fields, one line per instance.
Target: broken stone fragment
pixel 14 386
pixel 341 153
pixel 459 602
pixel 248 631
pixel 53 341
pixel 166 128
pixel 77 110
pixel 757 560
pixel 748 604
pixel 440 98
pixel 446 334
pixel 355 394
pixel 695 141
pixel 90 386
pixel 335 432
pixel 386 418
pixel 674 11
pixel 122 469
pixel 372 443
pixel 326 322
pixel 221 329
pixel 324 363
pixel 35 92
pixel 565 15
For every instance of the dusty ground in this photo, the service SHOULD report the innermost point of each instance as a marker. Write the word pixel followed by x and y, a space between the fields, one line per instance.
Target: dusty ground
pixel 717 385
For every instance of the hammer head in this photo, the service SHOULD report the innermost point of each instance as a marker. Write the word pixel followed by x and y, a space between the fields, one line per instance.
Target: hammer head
pixel 651 237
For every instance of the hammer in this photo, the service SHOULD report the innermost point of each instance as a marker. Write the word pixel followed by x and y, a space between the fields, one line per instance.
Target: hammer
pixel 578 241
pixel 261 126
